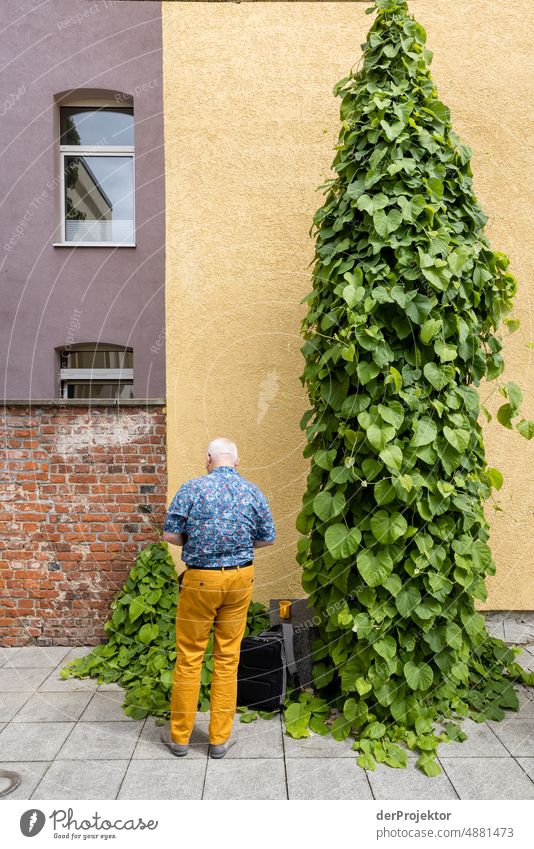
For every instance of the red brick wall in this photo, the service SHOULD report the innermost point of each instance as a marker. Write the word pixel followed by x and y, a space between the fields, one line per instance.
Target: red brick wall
pixel 82 488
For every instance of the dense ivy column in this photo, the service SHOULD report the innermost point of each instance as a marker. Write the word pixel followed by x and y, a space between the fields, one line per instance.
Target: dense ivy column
pixel 401 327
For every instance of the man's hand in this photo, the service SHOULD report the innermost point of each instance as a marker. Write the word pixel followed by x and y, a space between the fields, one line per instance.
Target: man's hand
pixel 261 543
pixel 174 539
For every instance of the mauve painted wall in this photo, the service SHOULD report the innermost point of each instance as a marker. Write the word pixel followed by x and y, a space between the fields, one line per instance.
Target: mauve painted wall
pixel 46 48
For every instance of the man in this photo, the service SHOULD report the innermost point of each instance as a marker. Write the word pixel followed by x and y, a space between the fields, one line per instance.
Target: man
pixel 218 519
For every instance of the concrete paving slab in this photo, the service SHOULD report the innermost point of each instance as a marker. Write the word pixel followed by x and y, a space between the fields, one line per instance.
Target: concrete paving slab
pixel 21 680
pixel 54 682
pixel 525 697
pixel 179 778
pixel 519 628
pixel 150 747
pixel 113 687
pixel 77 651
pixel 72 780
pixel 37 656
pixel 316 746
pixel 481 743
pixel 259 739
pixel 331 778
pixel 7 652
pixel 11 703
pixel 244 778
pixel 33 741
pixel 101 741
pixel 518 736
pixel 107 705
pixel 495 623
pixel 528 765
pixel 526 660
pixel 409 783
pixel 516 731
pixel 53 707
pixel 488 778
pixel 31 773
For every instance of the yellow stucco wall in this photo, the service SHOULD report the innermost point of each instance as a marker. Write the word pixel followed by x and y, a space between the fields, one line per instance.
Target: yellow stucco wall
pixel 250 123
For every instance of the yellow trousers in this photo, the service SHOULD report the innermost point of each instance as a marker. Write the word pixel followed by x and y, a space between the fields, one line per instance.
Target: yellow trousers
pixel 222 597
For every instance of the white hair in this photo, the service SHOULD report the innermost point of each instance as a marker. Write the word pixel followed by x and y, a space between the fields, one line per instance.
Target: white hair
pixel 221 445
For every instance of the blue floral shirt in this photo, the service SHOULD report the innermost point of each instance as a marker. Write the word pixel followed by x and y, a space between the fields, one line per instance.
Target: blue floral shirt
pixel 222 513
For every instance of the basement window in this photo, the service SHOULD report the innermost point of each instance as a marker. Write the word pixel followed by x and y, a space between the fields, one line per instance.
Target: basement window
pixel 96 371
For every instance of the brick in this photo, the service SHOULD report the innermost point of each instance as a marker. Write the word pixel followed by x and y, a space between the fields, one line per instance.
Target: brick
pixel 65 548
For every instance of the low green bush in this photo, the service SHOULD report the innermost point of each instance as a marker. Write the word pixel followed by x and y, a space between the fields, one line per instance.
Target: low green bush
pixel 140 651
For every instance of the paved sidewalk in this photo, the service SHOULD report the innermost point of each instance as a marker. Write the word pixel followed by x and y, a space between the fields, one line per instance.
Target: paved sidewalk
pixel 71 740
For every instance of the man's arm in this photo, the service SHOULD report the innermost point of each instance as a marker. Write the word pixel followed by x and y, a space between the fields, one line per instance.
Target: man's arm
pixel 265 531
pixel 261 543
pixel 174 539
pixel 176 518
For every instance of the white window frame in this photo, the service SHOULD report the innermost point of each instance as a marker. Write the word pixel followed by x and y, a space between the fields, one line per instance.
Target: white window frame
pixel 108 375
pixel 91 150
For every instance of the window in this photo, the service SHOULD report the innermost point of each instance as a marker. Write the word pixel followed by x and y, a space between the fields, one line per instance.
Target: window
pixel 96 371
pixel 97 175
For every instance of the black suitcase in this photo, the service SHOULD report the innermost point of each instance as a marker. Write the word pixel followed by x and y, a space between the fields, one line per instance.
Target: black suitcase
pixel 264 663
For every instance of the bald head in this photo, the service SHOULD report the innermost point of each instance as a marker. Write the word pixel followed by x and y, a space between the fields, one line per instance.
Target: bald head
pixel 221 452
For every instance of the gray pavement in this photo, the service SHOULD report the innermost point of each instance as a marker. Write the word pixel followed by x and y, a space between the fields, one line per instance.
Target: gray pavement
pixel 70 739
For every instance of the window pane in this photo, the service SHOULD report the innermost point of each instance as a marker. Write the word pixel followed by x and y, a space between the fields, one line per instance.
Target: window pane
pixel 100 389
pixel 99 200
pixel 97 358
pixel 106 125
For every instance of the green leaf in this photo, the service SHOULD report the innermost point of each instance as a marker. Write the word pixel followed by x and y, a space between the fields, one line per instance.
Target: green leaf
pixel 418 309
pixel 515 396
pixel 148 633
pixel 425 432
pixel 374 569
pixel 319 726
pixel 388 527
pixel 386 647
pixel 342 541
pixel 504 415
pixel 526 428
pixel 378 435
pixel 453 635
pixel 374 730
pixel 407 600
pixel 363 686
pixel 429 329
pixel 326 505
pixel 392 413
pixel 353 294
pixel 365 204
pixel 419 676
pixel 248 716
pixel 458 438
pixel 325 459
pixel 380 222
pixel 137 607
pixel 367 371
pixel 340 728
pixel 392 457
pixel 429 764
pixel 297 720
pixel 495 477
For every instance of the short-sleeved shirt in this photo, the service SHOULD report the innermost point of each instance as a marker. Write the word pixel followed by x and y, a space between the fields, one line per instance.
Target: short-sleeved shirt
pixel 222 513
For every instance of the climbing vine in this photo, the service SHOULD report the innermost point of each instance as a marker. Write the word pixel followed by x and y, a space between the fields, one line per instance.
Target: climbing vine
pixel 402 325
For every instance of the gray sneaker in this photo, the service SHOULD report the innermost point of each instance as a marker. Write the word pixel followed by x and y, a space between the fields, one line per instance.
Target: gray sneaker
pixel 178 749
pixel 218 750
